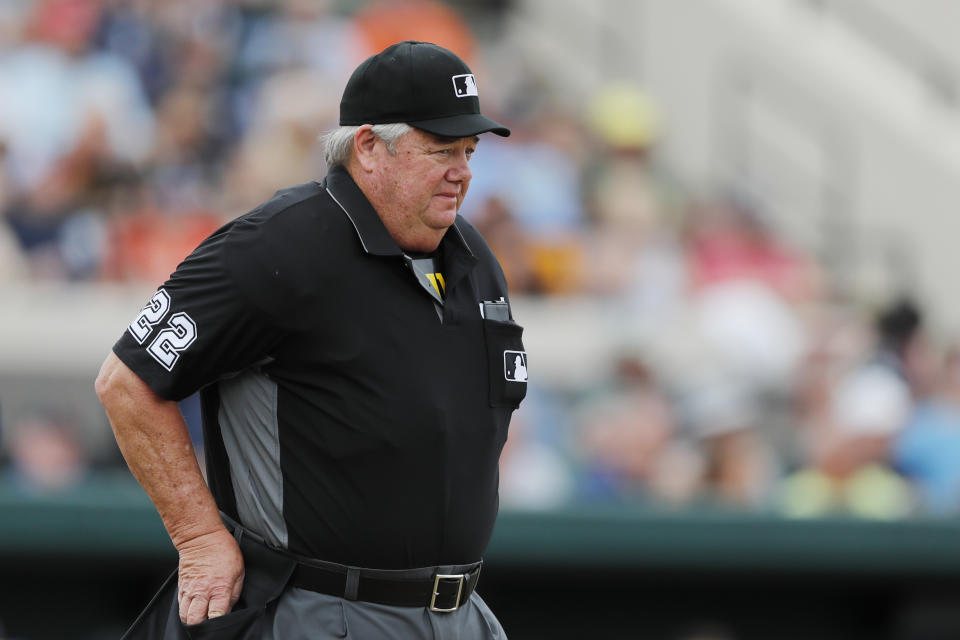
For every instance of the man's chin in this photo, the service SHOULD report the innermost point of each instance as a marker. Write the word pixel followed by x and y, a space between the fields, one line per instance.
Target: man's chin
pixel 443 218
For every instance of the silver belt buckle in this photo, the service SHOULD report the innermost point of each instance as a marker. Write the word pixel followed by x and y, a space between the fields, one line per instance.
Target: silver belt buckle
pixel 460 577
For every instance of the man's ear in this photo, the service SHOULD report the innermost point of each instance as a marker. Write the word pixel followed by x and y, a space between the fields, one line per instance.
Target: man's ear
pixel 364 147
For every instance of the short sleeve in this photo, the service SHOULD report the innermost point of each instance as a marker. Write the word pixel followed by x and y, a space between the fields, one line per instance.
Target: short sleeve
pixel 199 326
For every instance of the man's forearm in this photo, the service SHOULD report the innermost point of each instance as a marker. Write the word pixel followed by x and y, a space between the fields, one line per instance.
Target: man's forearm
pixel 156 445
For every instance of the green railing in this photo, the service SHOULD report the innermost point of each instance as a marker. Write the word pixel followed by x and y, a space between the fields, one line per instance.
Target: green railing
pixel 111 516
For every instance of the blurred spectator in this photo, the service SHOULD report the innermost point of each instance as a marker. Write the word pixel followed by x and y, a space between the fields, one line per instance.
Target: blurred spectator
pixel 45 455
pixel 856 420
pixel 382 23
pixel 76 114
pixel 510 244
pixel 534 178
pixel 280 146
pixel 133 32
pixel 538 183
pixel 728 240
pixel 301 34
pixel 623 436
pixel 743 308
pixel 188 155
pixel 534 473
pixel 147 244
pixel 623 188
pixel 748 332
pixel 928 449
pixel 68 94
pixel 632 206
pixel 740 467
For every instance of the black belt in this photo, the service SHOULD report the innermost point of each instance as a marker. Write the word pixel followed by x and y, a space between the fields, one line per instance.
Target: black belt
pixel 426 587
pixel 441 589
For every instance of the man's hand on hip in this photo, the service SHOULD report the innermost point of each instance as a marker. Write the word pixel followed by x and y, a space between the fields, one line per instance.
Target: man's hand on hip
pixel 210 576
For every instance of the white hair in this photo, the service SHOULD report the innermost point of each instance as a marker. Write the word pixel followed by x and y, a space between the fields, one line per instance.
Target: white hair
pixel 338 143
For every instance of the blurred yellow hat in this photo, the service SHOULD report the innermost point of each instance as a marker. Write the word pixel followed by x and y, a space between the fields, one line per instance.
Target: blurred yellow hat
pixel 623 116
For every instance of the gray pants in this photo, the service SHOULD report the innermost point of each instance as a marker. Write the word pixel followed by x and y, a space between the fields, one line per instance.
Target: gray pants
pixel 306 615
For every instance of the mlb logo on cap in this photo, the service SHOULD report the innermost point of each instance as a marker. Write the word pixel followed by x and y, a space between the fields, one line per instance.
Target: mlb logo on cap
pixel 515 366
pixel 465 85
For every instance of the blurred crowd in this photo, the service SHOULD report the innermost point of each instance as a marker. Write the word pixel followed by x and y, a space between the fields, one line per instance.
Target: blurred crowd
pixel 744 376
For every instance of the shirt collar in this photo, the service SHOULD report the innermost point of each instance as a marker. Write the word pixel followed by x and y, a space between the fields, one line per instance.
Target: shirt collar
pixel 374 237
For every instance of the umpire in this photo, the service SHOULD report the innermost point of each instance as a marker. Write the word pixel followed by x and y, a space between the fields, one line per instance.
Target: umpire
pixel 358 365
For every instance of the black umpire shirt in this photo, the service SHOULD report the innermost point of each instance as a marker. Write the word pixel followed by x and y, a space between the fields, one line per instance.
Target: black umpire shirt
pixel 344 418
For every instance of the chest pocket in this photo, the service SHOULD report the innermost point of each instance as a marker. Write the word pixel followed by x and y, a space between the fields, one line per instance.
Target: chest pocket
pixel 507 361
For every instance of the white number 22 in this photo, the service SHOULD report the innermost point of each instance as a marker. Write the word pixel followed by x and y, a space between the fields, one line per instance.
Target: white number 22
pixel 180 332
pixel 168 344
pixel 150 315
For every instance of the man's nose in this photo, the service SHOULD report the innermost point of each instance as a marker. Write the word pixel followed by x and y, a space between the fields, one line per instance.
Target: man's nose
pixel 460 171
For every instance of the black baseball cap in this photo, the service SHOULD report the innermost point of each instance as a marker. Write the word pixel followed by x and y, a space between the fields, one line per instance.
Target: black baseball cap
pixel 419 83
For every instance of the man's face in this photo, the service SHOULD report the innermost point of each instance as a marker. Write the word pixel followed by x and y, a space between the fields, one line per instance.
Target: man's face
pixel 422 185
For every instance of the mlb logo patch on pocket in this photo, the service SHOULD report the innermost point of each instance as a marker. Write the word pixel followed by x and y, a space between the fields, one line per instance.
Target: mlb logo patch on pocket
pixel 515 366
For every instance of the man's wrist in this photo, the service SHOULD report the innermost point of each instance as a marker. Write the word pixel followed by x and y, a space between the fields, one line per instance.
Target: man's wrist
pixel 183 535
